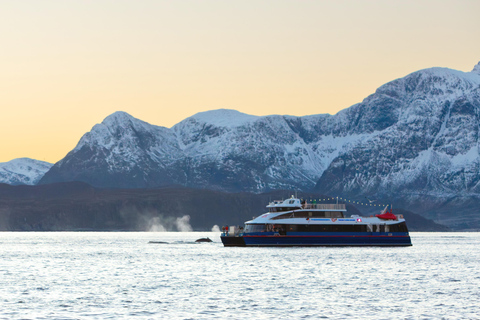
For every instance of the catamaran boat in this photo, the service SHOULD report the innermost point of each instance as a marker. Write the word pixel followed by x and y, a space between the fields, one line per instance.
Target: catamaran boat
pixel 294 222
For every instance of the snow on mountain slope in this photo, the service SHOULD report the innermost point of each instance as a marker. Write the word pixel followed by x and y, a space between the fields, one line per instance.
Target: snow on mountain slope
pixel 220 149
pixel 23 171
pixel 223 118
pixel 122 151
pixel 128 140
pixel 414 135
pixel 252 154
pixel 427 143
pixel 476 69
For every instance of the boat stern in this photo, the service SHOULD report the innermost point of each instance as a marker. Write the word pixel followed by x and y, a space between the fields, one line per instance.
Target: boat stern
pixel 235 241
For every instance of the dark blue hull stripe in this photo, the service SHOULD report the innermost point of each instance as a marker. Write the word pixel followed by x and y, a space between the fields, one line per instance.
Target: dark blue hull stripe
pixel 339 240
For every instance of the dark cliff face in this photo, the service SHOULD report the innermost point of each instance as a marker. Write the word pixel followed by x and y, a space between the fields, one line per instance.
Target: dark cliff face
pixel 78 206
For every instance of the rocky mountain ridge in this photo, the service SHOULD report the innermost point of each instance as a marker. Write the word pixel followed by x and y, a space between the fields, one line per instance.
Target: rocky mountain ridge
pixel 205 151
pixel 429 147
pixel 23 171
pixel 427 157
pixel 294 151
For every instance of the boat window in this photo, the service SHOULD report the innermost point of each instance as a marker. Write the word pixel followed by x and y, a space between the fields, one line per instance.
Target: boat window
pixel 327 228
pixel 280 228
pixel 333 214
pixel 255 228
pixel 399 227
pixel 285 216
pixel 281 209
pixel 309 214
pixel 336 214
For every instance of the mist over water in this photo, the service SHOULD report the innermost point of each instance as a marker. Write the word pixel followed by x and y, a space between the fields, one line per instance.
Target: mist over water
pixel 163 224
pixel 183 224
pixel 92 275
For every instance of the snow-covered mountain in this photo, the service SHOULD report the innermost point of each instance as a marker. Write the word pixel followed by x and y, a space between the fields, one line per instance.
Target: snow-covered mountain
pixel 23 171
pixel 424 144
pixel 415 137
pixel 424 138
pixel 121 152
pixel 221 149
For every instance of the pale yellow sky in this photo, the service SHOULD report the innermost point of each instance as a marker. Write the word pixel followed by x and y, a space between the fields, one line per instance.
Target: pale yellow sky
pixel 66 65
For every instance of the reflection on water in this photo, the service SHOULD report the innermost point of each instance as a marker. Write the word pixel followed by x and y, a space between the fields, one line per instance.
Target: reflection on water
pixel 122 275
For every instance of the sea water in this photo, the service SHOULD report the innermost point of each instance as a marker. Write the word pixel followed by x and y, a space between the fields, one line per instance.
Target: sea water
pixel 119 275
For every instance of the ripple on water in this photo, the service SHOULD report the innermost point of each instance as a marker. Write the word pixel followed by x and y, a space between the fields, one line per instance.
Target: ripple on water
pixel 120 275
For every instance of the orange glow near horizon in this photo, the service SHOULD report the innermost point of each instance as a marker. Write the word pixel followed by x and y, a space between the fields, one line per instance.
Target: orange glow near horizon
pixel 65 66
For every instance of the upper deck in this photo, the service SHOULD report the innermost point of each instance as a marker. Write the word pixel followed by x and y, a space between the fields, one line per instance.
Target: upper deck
pixel 296 211
pixel 297 204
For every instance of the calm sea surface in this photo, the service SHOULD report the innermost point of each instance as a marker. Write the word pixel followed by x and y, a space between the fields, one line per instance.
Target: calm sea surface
pixel 116 275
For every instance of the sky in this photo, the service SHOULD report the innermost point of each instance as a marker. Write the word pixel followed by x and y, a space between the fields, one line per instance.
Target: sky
pixel 66 65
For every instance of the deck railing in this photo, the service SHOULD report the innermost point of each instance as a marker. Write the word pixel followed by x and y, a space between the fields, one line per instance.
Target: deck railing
pixel 325 206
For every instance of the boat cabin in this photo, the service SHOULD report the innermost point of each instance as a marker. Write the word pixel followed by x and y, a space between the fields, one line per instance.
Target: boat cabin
pixel 284 205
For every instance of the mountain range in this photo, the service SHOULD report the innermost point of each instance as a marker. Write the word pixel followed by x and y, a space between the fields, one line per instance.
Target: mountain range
pixel 414 143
